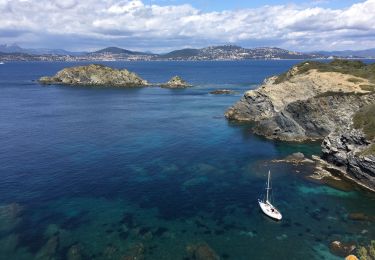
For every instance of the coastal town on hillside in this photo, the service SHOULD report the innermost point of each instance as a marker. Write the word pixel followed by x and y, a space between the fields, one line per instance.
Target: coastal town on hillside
pixel 224 52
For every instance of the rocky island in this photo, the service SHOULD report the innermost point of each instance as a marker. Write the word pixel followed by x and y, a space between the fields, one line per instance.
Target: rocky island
pixel 333 102
pixel 100 75
pixel 95 75
pixel 223 92
pixel 176 82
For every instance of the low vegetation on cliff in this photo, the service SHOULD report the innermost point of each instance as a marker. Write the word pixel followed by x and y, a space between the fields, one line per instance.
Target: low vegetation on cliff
pixel 365 119
pixel 355 68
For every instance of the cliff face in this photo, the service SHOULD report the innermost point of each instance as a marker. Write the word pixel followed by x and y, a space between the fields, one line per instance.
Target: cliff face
pixel 319 101
pixel 346 149
pixel 307 105
pixel 95 75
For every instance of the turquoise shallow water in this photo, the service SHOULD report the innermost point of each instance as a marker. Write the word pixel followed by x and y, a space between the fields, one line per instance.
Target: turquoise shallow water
pixel 152 172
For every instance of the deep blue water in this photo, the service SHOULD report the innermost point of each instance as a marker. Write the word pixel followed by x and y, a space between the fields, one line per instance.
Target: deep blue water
pixel 111 170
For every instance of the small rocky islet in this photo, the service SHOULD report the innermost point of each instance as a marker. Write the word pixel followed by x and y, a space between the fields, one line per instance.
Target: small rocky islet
pixel 332 102
pixel 104 76
pixel 223 92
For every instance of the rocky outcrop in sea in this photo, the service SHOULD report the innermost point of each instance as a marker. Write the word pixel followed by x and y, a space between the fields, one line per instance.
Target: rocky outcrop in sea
pixel 316 101
pixel 176 82
pixel 223 92
pixel 95 75
pixel 103 76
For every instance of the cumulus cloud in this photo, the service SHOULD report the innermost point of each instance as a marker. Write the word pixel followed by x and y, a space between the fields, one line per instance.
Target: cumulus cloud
pixel 134 24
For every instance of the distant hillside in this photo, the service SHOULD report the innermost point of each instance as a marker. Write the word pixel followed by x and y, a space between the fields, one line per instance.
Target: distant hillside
pixel 5 48
pixel 233 52
pixel 14 48
pixel 184 53
pixel 116 50
pixel 369 53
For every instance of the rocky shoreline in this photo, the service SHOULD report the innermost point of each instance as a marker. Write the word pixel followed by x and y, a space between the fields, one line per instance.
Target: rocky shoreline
pixel 103 76
pixel 317 101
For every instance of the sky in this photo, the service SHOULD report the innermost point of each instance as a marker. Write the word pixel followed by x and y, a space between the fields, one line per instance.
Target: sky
pixel 164 25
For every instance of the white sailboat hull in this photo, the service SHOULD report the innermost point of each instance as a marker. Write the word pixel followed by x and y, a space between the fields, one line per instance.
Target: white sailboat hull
pixel 270 210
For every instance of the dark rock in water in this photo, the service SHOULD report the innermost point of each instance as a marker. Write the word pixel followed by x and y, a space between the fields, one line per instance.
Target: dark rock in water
pixel 341 249
pixel 176 82
pixel 223 92
pixel 95 75
pixel 74 253
pixel 135 252
pixel 110 252
pixel 201 251
pixel 295 158
pixel 358 216
pixel 49 250
pixel 160 231
pixel 10 216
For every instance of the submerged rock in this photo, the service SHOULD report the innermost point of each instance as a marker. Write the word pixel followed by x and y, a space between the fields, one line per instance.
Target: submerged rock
pixel 223 92
pixel 111 252
pixel 10 216
pixel 341 249
pixel 74 253
pixel 295 158
pixel 201 251
pixel 135 252
pixel 359 216
pixel 48 251
pixel 176 82
pixel 95 75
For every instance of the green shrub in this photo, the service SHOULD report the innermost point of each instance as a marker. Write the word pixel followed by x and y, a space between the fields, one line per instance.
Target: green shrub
pixel 367 87
pixel 340 93
pixel 362 253
pixel 355 68
pixel 355 80
pixel 372 246
pixel 365 119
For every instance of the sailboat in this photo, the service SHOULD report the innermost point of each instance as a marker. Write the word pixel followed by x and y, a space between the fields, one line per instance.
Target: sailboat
pixel 266 205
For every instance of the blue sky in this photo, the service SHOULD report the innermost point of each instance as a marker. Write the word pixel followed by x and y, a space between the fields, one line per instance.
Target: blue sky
pixel 164 25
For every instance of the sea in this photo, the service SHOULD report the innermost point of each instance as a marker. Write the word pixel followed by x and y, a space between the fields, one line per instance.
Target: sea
pixel 154 173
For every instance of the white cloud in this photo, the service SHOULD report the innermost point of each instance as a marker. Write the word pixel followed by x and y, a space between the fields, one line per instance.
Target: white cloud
pixel 133 24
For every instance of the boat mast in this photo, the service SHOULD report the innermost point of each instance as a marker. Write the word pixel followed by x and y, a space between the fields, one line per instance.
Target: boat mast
pixel 268 184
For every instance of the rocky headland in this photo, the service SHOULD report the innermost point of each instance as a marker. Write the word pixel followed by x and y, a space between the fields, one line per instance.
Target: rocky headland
pixel 333 102
pixel 103 76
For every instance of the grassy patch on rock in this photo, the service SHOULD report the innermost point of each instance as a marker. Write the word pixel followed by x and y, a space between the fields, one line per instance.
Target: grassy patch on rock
pixel 340 94
pixel 365 87
pixel 365 119
pixel 354 68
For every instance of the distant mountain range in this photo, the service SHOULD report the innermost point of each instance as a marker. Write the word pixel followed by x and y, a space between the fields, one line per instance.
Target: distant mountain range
pixel 14 48
pixel 369 53
pixel 223 52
